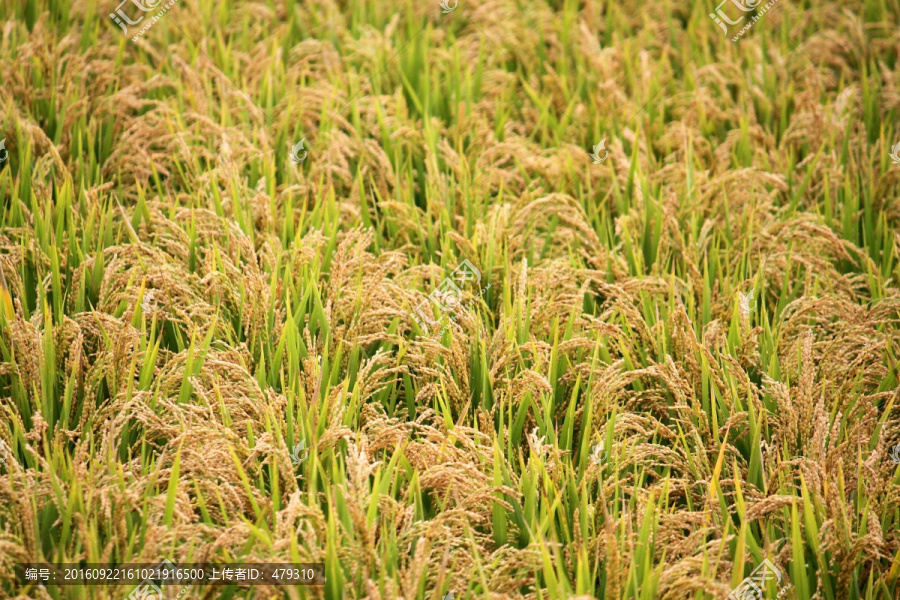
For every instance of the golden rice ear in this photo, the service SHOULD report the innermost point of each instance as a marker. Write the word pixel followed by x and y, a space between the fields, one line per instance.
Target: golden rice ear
pixel 655 376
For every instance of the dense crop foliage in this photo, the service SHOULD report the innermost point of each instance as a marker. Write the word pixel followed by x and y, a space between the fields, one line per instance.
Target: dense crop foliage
pixel 677 360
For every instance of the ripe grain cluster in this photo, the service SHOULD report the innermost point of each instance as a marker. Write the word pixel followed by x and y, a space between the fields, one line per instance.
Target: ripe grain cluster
pixel 686 361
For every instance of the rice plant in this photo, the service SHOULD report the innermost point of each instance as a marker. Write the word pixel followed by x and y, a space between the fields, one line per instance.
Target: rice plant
pixel 234 325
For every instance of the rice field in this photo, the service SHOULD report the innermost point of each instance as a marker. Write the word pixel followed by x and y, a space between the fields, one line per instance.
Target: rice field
pixel 539 300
